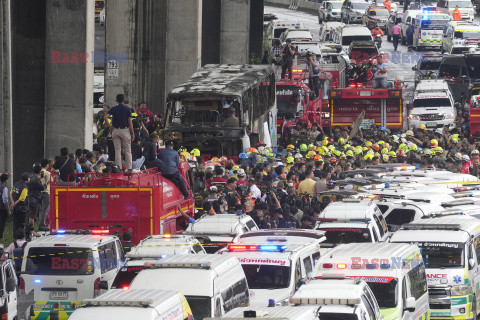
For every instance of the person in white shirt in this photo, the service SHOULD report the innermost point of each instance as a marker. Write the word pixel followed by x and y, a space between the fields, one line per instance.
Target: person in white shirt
pixel 255 192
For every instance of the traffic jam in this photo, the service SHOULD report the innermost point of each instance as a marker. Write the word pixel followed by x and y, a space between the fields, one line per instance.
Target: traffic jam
pixel 392 238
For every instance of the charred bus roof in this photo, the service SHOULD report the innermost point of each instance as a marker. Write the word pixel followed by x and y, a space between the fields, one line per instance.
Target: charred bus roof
pixel 222 80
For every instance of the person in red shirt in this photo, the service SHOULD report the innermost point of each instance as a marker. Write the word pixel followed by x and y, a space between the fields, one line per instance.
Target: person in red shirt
pixel 241 178
pixel 302 117
pixel 145 113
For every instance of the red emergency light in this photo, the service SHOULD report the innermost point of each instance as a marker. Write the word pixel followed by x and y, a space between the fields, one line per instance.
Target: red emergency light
pixel 352 85
pixel 241 247
pixel 297 70
pixel 99 231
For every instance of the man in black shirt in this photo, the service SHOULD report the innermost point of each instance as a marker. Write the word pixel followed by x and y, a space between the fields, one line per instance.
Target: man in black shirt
pixel 122 131
pixel 150 152
pixel 137 157
pixel 288 55
pixel 65 166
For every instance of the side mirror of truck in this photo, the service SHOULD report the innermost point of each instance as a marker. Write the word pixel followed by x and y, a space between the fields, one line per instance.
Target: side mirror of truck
pixel 410 304
pixel 10 285
pixel 103 285
pixel 471 263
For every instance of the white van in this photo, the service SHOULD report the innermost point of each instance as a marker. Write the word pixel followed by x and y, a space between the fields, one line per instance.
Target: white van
pixel 212 284
pixel 339 298
pixel 352 220
pixel 394 272
pixel 8 286
pixel 287 235
pixel 153 248
pixel 277 27
pixel 428 29
pixel 407 19
pixel 456 33
pixel 451 250
pixel 433 105
pixel 220 229
pixel 274 313
pixel 140 304
pixel 64 268
pixel 465 6
pixel 349 33
pixel 327 29
pixel 274 268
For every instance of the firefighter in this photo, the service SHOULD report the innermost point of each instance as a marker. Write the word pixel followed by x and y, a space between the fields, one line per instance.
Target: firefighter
pixel 456 15
pixel 387 5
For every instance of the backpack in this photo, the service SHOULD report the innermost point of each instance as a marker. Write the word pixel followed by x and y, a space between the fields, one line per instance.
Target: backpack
pixel 18 255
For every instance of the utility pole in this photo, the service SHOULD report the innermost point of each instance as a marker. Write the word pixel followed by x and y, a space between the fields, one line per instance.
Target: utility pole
pixel 6 153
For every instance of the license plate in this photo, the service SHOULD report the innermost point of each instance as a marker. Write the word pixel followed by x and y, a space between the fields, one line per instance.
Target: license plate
pixel 435 36
pixel 58 295
pixel 431 124
pixel 365 93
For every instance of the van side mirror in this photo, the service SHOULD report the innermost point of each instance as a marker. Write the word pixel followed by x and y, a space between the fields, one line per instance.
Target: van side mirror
pixel 471 263
pixel 11 284
pixel 103 285
pixel 410 304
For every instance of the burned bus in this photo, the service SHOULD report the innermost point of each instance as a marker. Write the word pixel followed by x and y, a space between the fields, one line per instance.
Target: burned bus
pixel 223 109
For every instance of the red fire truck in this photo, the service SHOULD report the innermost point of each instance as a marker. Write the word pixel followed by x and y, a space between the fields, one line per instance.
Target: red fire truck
pixel 144 203
pixel 383 106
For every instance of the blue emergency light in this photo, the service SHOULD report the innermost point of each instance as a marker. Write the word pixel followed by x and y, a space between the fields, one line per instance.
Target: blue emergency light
pixel 61 231
pixel 360 220
pixel 37 281
pixel 272 247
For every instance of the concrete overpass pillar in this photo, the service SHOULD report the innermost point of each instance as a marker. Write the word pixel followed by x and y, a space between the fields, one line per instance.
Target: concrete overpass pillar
pixel 6 137
pixel 28 83
pixel 256 28
pixel 163 42
pixel 69 75
pixel 235 31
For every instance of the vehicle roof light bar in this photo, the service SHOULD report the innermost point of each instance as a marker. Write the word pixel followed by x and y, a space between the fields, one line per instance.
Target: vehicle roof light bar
pixel 425 226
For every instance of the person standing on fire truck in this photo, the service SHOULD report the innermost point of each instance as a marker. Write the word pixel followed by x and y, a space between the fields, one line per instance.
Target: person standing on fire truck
pixel 169 168
pixel 122 132
pixel 276 55
pixel 287 59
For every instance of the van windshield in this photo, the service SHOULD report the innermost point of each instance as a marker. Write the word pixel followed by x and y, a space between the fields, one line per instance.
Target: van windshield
pixel 200 306
pixel 267 276
pixel 60 261
pixel 431 103
pixel 337 316
pixel 346 40
pixel 289 100
pixel 360 5
pixel 460 4
pixel 430 64
pixel 385 293
pixel 346 235
pixel 125 276
pixel 442 254
pixel 473 67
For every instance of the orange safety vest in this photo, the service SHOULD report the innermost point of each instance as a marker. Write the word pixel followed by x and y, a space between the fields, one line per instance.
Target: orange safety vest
pixel 456 15
pixel 387 5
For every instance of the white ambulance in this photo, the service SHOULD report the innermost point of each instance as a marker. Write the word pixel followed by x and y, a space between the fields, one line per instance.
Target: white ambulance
pixel 140 304
pixel 339 298
pixel 394 272
pixel 451 250
pixel 272 313
pixel 352 220
pixel 66 267
pixel 153 248
pixel 274 268
pixel 212 284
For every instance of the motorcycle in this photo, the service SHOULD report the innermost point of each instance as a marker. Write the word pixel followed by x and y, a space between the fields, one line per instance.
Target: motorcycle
pixel 378 40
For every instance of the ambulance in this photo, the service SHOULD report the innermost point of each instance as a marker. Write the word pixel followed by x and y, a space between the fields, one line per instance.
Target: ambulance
pixel 153 248
pixel 275 267
pixel 339 298
pixel 450 248
pixel 352 220
pixel 66 267
pixel 457 32
pixel 394 272
pixel 273 313
pixel 140 304
pixel 428 28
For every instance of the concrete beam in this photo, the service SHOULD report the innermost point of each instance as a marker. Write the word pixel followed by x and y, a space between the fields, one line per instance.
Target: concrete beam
pixel 68 86
pixel 6 137
pixel 211 32
pixel 256 29
pixel 235 31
